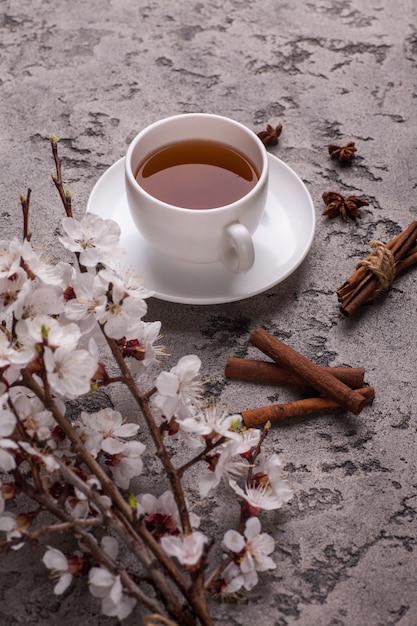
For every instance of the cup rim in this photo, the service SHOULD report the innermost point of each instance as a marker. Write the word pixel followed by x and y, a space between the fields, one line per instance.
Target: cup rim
pixel 261 180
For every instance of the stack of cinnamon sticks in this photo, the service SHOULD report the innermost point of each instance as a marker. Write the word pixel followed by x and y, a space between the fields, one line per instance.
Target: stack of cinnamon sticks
pixel 364 284
pixel 340 386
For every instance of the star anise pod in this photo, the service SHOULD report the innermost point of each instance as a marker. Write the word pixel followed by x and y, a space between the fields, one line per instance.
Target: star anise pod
pixel 338 205
pixel 344 154
pixel 269 137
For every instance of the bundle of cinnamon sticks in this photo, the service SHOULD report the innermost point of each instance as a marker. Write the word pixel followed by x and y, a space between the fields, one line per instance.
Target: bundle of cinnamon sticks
pixel 341 387
pixel 365 283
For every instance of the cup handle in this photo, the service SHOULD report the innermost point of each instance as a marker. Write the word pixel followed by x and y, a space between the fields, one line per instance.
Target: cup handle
pixel 238 253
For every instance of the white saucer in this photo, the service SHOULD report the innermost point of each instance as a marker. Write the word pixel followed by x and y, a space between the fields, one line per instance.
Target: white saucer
pixel 282 241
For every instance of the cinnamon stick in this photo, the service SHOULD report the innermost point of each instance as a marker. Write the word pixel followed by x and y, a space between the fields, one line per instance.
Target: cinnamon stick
pixel 362 284
pixel 313 374
pixel 272 374
pixel 409 260
pixel 255 417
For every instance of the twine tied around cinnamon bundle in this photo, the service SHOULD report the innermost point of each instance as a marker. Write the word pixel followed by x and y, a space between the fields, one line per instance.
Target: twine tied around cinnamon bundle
pixel 155 619
pixel 381 263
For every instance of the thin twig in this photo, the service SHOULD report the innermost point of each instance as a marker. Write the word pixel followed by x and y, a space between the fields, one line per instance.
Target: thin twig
pixel 64 527
pixel 210 446
pixel 25 201
pixel 57 178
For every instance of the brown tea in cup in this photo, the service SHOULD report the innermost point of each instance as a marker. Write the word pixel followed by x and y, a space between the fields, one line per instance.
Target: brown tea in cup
pixel 197 174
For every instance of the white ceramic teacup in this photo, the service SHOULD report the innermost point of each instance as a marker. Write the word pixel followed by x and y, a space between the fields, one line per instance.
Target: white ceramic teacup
pixel 199 236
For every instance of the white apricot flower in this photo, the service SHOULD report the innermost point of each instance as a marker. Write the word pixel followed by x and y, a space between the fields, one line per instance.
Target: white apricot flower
pixel 122 315
pixel 232 579
pixel 148 333
pixel 224 463
pixel 38 421
pixel 249 439
pixel 127 463
pixel 105 430
pixel 15 526
pixel 253 547
pixel 12 290
pixel 90 298
pixel 178 391
pixel 262 497
pixel 161 514
pixel 40 300
pixel 126 280
pixel 7 460
pixel 10 256
pixel 188 549
pixel 214 423
pixel 108 587
pixel 79 506
pixel 94 238
pixel 271 467
pixel 44 329
pixel 7 425
pixel 58 274
pixel 69 371
pixel 58 563
pixel 7 519
pixel 47 459
pixel 12 353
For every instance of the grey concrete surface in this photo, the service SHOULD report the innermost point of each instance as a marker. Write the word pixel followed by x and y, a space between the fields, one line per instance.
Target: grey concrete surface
pixel 94 73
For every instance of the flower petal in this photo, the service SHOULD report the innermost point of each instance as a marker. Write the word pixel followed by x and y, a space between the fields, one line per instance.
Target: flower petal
pixel 233 541
pixel 63 583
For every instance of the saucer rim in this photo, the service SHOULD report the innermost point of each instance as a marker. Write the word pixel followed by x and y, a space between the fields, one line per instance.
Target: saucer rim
pixel 261 288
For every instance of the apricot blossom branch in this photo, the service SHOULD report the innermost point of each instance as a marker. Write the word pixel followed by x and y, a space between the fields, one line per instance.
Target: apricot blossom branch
pixel 56 323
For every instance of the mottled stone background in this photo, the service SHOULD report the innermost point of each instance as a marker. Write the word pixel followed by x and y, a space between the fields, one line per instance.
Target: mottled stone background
pixel 96 72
